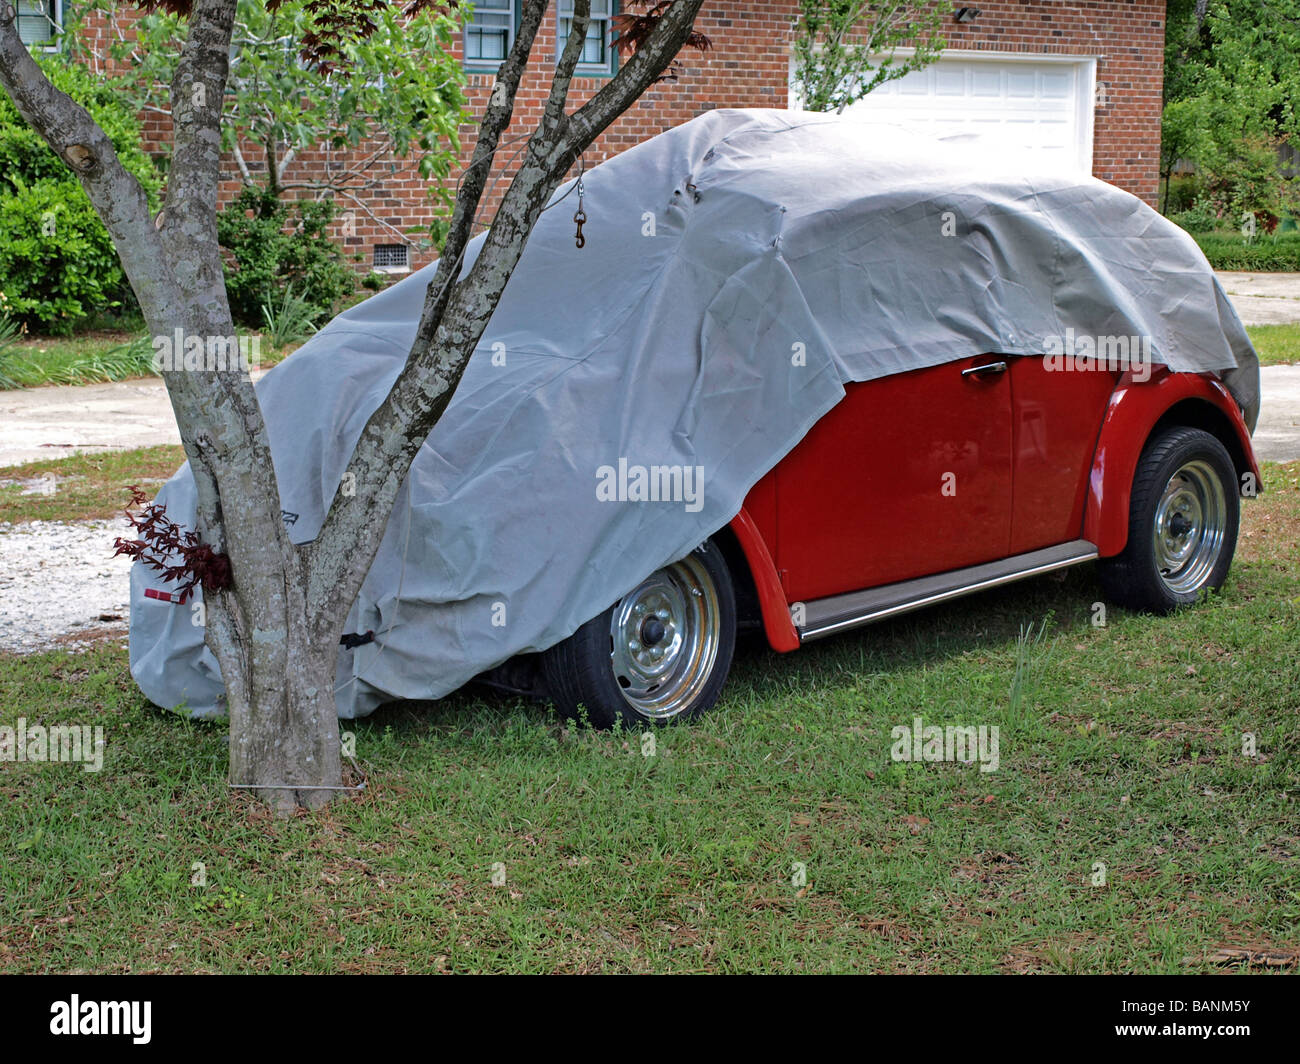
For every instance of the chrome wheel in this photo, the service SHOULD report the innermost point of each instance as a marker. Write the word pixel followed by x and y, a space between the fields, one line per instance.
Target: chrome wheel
pixel 664 638
pixel 1191 520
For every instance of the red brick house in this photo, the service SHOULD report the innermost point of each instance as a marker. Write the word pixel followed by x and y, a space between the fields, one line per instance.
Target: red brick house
pixel 1075 81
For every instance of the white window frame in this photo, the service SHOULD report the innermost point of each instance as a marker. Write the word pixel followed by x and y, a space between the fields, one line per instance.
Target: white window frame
pixel 512 23
pixel 606 69
pixel 55 12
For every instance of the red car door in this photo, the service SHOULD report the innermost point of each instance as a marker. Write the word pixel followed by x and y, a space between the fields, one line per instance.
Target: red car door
pixel 909 475
pixel 1056 417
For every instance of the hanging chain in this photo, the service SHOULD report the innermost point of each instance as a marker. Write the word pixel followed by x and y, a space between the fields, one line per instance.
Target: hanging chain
pixel 580 216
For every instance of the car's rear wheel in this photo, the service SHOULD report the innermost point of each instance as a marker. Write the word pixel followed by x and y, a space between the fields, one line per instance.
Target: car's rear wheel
pixel 662 652
pixel 1183 518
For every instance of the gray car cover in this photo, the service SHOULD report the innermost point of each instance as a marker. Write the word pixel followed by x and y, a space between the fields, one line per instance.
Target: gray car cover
pixel 738 271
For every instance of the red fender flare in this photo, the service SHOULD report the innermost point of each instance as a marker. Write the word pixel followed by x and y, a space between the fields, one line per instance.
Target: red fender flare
pixel 1134 410
pixel 777 624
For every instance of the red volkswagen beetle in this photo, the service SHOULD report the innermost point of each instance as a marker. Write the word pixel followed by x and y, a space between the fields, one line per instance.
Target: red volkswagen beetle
pixel 922 487
pixel 894 373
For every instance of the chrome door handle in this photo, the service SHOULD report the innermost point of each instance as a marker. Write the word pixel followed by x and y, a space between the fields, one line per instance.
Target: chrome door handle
pixel 991 367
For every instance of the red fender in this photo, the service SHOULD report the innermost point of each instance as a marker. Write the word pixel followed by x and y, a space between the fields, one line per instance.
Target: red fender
pixel 1134 410
pixel 777 624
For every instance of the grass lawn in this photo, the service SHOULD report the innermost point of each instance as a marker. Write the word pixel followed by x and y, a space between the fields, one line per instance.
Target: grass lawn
pixel 1124 749
pixel 93 358
pixel 86 486
pixel 62 360
pixel 1276 345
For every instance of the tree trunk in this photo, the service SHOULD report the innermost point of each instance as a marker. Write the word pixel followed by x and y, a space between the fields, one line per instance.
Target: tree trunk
pixel 278 651
pixel 284 723
pixel 275 630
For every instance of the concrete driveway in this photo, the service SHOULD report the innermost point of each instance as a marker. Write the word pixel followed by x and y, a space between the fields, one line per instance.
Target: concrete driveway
pixel 41 423
pixel 1264 298
pixel 1277 436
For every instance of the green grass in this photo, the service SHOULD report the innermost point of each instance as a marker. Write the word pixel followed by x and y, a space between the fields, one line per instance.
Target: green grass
pixel 94 358
pixel 68 360
pixel 1120 745
pixel 86 486
pixel 1276 345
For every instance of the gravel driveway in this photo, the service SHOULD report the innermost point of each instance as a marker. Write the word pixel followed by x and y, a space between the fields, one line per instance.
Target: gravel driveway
pixel 60 584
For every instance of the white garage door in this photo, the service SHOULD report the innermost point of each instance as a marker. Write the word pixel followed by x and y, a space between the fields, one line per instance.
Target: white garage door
pixel 1035 111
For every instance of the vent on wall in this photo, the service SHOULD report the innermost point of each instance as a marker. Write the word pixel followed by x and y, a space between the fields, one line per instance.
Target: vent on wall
pixel 392 258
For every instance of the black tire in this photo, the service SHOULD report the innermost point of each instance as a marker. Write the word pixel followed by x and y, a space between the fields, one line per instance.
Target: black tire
pixel 1183 520
pixel 594 675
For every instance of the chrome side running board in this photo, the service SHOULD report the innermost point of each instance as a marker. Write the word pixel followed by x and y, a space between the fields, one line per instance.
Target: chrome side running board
pixel 839 613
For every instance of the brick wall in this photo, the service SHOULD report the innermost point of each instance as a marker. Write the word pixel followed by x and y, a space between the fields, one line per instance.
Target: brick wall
pixel 749 67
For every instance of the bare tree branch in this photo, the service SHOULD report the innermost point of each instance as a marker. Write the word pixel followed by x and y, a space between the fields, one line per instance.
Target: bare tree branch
pixel 244 173
pixel 197 94
pixel 500 109
pixel 553 116
pixel 453 323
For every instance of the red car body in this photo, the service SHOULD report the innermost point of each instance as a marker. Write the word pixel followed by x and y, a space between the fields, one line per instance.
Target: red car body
pixel 947 468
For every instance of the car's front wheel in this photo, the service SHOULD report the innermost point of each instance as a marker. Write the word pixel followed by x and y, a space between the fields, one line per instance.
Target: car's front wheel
pixel 1183 517
pixel 660 653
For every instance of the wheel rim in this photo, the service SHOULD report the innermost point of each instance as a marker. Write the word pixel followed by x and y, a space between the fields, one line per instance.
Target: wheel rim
pixel 1190 526
pixel 664 638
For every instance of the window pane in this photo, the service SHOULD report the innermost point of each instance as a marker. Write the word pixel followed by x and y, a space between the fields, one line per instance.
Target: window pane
pixel 484 43
pixel 34 25
pixel 595 48
pixel 488 33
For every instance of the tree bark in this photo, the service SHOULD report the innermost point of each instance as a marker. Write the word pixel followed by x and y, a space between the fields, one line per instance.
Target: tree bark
pixel 275 632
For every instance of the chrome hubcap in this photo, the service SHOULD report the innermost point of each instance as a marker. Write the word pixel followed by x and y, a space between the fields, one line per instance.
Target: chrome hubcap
pixel 664 639
pixel 1190 523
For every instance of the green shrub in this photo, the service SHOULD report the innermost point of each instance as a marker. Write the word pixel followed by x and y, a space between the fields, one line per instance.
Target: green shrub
pixel 9 332
pixel 289 320
pixel 1200 217
pixel 57 263
pixel 1184 191
pixel 1230 251
pixel 1249 180
pixel 271 246
pixel 132 359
